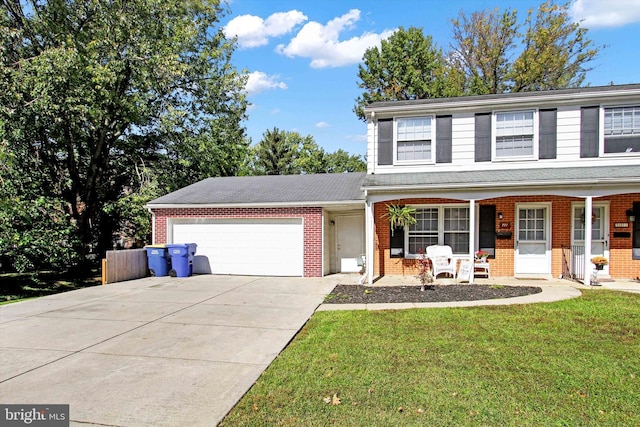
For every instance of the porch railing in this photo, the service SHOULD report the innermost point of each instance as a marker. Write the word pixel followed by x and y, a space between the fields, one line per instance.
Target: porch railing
pixel 573 263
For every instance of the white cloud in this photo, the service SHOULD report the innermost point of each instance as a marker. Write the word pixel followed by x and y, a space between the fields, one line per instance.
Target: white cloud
pixel 322 43
pixel 321 125
pixel 599 13
pixel 253 31
pixel 259 81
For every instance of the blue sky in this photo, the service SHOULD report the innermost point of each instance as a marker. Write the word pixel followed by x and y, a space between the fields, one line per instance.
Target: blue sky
pixel 303 56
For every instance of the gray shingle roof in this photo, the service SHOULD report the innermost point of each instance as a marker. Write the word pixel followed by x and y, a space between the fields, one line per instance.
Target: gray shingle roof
pixel 595 90
pixel 529 177
pixel 276 189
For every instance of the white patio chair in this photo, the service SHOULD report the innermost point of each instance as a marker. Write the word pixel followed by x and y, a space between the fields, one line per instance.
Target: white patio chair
pixel 442 261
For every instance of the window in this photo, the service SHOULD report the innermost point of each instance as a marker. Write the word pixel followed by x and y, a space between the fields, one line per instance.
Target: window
pixel 414 139
pixel 440 226
pixel 622 130
pixel 515 134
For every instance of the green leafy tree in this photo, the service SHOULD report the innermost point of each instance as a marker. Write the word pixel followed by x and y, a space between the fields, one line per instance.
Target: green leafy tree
pixel 341 161
pixel 288 153
pixel 87 88
pixel 274 154
pixel 480 46
pixel 408 65
pixel 497 56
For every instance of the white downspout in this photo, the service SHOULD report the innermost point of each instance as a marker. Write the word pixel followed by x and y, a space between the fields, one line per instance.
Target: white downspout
pixel 369 263
pixel 153 225
pixel 588 232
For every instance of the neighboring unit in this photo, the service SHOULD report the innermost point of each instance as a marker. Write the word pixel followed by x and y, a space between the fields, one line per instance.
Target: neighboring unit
pixel 508 174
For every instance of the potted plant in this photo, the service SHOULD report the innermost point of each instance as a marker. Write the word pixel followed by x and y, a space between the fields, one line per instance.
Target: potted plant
pixel 481 256
pixel 400 216
pixel 424 270
pixel 599 262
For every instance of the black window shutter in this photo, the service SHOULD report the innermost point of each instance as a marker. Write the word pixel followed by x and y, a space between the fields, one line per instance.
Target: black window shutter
pixel 483 137
pixel 547 141
pixel 487 229
pixel 385 142
pixel 443 139
pixel 397 242
pixel 589 131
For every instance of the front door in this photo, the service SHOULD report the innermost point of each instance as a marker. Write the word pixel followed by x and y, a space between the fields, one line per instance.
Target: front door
pixel 532 244
pixel 349 242
pixel 599 234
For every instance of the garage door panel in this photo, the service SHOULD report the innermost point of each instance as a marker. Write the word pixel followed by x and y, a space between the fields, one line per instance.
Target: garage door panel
pixel 272 247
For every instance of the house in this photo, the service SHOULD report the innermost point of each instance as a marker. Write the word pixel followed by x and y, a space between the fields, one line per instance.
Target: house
pixel 510 174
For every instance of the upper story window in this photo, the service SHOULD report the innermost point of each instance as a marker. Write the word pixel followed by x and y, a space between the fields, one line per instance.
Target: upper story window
pixel 515 135
pixel 622 129
pixel 414 139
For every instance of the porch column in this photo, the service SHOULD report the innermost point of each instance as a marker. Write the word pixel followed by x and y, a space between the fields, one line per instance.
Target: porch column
pixel 588 213
pixel 369 250
pixel 472 237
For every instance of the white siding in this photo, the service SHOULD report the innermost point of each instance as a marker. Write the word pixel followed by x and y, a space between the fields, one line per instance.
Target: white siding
pixel 463 139
pixel 568 134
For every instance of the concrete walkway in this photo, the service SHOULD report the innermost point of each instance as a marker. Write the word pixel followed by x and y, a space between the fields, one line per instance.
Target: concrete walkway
pixel 151 352
pixel 552 290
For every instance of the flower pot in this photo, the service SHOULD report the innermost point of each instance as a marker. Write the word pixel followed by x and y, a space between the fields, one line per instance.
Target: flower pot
pixel 599 267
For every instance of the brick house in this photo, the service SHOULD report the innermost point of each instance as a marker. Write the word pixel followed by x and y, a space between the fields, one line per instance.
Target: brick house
pixel 510 174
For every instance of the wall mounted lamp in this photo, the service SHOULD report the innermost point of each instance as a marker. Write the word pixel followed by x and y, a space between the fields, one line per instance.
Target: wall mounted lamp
pixel 631 215
pixel 500 215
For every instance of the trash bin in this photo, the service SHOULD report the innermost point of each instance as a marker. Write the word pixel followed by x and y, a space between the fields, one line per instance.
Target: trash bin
pixel 158 260
pixel 181 259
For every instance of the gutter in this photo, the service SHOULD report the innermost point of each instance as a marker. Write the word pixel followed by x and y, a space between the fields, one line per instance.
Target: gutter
pixel 255 205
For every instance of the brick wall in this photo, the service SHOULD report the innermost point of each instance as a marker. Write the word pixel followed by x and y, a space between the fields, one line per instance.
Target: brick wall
pixel 312 223
pixel 621 264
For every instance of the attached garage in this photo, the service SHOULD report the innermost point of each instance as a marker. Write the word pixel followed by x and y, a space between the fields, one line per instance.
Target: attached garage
pixel 254 247
pixel 274 225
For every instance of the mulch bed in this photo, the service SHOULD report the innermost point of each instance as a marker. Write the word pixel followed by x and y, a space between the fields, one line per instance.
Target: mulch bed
pixel 356 294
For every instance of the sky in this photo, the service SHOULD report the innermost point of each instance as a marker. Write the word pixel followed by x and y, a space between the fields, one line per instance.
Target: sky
pixel 302 56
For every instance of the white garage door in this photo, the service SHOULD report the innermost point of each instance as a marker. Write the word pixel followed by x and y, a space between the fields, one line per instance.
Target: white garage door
pixel 255 247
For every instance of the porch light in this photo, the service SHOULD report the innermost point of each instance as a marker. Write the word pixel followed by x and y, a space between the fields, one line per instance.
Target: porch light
pixel 500 215
pixel 630 215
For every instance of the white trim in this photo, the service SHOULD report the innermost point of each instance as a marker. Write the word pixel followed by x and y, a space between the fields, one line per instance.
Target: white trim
pixel 430 161
pixel 536 136
pixel 601 136
pixel 311 204
pixel 549 235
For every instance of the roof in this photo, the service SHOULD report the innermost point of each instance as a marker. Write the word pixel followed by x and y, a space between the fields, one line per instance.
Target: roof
pixel 625 174
pixel 313 189
pixel 559 96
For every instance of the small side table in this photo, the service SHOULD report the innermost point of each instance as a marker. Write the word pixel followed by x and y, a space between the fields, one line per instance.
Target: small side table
pixel 484 267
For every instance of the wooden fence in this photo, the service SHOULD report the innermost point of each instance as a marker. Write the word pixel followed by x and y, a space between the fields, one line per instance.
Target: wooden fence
pixel 124 265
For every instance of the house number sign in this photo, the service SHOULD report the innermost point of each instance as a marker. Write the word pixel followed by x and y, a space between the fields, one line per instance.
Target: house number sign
pixel 505 225
pixel 621 224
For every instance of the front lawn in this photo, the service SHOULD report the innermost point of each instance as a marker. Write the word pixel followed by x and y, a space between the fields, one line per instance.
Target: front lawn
pixel 570 363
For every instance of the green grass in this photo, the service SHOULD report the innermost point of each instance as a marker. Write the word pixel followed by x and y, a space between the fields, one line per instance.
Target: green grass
pixel 570 363
pixel 17 287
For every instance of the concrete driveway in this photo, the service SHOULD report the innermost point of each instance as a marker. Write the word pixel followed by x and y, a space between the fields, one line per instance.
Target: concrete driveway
pixel 156 351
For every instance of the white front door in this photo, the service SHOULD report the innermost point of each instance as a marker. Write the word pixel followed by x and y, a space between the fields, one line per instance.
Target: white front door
pixel 533 237
pixel 599 234
pixel 349 242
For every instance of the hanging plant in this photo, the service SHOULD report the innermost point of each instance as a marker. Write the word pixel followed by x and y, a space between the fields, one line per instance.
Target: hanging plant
pixel 400 216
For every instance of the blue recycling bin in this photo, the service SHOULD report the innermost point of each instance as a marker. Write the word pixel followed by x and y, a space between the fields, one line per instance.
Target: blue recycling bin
pixel 158 260
pixel 181 259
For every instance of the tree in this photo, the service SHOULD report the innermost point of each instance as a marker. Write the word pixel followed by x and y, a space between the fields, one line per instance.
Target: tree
pixel 274 154
pixel 408 65
pixel 481 44
pixel 89 88
pixel 341 161
pixel 552 53
pixel 555 53
pixel 287 153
